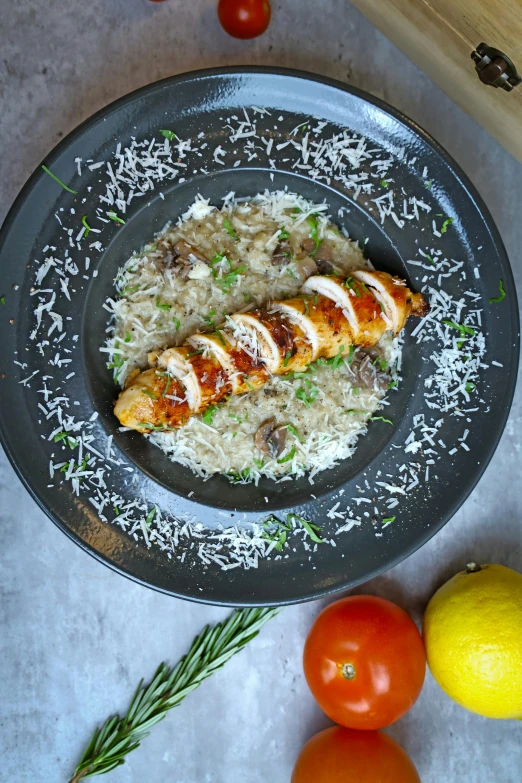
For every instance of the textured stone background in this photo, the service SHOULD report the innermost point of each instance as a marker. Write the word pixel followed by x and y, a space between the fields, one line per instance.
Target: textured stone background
pixel 76 638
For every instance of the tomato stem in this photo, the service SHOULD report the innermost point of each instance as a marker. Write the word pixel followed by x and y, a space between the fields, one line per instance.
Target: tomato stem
pixel 348 671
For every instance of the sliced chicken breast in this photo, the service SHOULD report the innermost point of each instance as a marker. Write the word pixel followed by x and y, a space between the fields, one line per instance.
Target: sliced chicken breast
pixel 202 376
pixel 324 324
pixel 153 401
pixel 390 292
pixel 243 372
pixel 359 306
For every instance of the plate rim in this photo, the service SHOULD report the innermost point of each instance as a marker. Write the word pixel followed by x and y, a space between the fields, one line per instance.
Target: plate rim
pixel 484 212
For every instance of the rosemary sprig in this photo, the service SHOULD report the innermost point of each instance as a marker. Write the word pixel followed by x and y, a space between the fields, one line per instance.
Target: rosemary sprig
pixel 209 651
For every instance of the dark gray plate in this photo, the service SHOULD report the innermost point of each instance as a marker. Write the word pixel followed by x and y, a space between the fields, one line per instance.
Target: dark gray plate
pixel 190 104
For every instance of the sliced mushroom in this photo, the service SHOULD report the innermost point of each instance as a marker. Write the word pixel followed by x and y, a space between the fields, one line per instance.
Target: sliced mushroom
pixel 307 246
pixel 189 252
pixel 366 372
pixel 282 253
pixel 307 267
pixel 324 259
pixel 269 439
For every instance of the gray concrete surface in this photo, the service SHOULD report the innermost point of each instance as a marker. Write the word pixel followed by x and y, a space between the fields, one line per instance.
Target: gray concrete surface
pixel 76 638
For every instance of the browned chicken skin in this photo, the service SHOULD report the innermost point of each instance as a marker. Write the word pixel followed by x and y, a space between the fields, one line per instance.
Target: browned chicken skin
pixel 331 314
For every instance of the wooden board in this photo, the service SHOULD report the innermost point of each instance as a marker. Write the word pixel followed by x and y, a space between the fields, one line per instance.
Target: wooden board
pixel 440 36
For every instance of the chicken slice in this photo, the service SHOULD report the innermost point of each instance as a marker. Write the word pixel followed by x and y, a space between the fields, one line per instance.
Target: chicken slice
pixel 153 401
pixel 324 324
pixel 203 377
pixel 391 293
pixel 367 320
pixel 243 372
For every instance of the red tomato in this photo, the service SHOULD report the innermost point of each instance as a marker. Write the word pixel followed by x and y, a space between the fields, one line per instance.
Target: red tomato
pixel 244 18
pixel 364 662
pixel 340 755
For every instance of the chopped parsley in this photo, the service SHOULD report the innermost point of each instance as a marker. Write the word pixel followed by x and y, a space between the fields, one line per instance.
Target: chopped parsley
pixel 287 358
pixel 235 478
pixel 226 282
pixel 150 517
pixel 86 226
pixel 469 386
pixel 462 328
pixel 259 463
pixel 220 337
pixel 208 319
pixel 447 223
pixel 149 394
pixel 208 415
pixel 237 418
pixel 2 300
pixel 116 218
pixel 130 290
pixel 388 520
pixel 59 181
pixel 170 135
pixel 428 184
pixel 292 430
pixel 385 183
pixel 311 529
pixel 176 322
pixel 307 395
pixel 381 418
pixel 283 234
pixel 128 337
pixel 502 293
pixel 163 305
pixel 312 220
pixel 229 228
pixel 336 361
pixel 247 384
pixel 288 457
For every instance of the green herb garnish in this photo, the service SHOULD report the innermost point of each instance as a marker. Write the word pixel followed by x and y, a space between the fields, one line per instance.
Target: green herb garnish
pixel 86 226
pixel 462 328
pixel 381 418
pixel 170 135
pixel 312 220
pixel 176 322
pixel 113 216
pixel 247 384
pixel 388 520
pixel 311 529
pixel 502 293
pixel 292 430
pixel 288 457
pixel 163 306
pixel 208 415
pixel 229 228
pixel 59 181
pixel 128 337
pixel 446 225
pixel 287 358
pixel 385 183
pixel 149 394
pixel 283 234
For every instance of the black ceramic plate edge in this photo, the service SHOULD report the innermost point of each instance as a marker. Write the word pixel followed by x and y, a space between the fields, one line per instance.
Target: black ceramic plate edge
pixel 486 217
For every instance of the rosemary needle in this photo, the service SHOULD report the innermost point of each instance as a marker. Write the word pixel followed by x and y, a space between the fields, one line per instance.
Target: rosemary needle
pixel 209 651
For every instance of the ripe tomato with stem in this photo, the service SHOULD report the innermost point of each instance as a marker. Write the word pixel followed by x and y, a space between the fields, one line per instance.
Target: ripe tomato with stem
pixel 244 18
pixel 364 662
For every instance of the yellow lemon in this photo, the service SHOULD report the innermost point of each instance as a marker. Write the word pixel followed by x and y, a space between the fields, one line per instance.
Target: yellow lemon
pixel 473 636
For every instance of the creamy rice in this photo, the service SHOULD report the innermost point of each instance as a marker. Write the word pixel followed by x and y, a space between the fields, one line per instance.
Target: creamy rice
pixel 161 303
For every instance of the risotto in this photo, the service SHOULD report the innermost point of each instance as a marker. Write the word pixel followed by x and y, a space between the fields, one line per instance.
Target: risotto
pixel 238 257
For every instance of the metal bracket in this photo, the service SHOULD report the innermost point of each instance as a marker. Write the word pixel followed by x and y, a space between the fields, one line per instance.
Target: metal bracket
pixel 495 68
